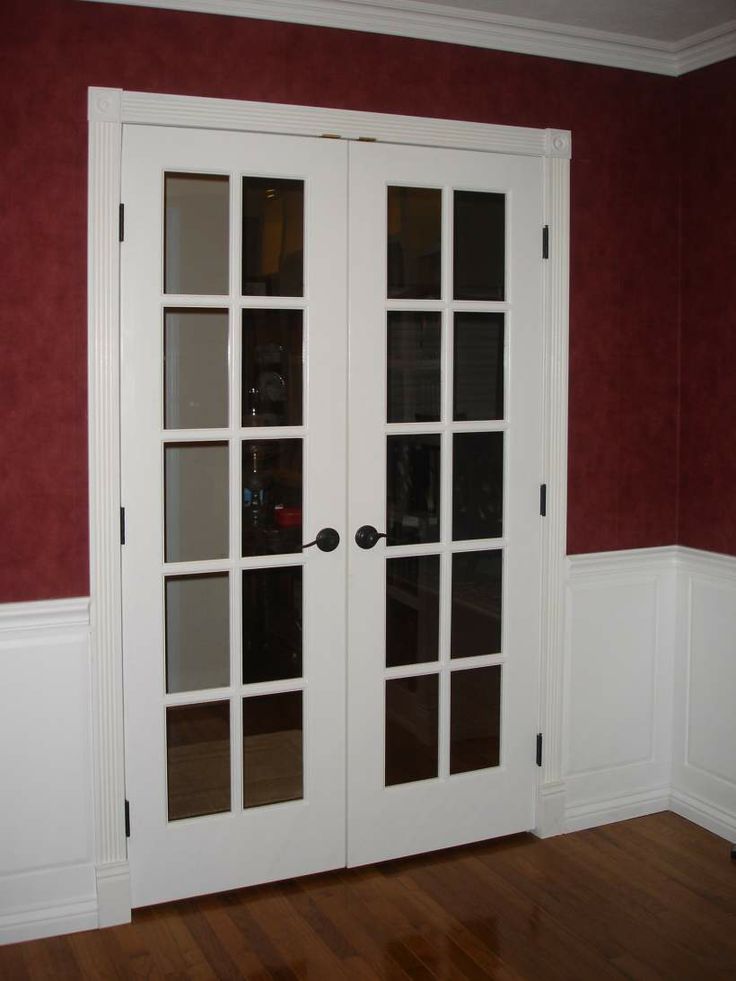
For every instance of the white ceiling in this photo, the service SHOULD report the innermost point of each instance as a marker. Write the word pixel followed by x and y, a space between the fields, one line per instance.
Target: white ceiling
pixel 655 20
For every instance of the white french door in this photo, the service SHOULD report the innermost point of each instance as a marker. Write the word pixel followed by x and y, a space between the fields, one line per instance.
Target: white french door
pixel 290 709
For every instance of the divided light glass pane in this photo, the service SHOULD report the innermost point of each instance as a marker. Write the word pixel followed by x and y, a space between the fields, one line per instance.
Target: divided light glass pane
pixel 412 713
pixel 196 234
pixel 477 592
pixel 414 366
pixel 413 489
pixel 479 245
pixel 272 624
pixel 414 246
pixel 198 759
pixel 272 496
pixel 477 486
pixel 412 609
pixel 273 736
pixel 273 365
pixel 196 494
pixel 475 718
pixel 197 632
pixel 195 369
pixel 478 366
pixel 273 237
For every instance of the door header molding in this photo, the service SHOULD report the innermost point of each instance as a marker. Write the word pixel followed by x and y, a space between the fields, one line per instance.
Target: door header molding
pixel 143 108
pixel 108 110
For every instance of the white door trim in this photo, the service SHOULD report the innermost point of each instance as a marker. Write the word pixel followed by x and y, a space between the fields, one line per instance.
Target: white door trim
pixel 108 110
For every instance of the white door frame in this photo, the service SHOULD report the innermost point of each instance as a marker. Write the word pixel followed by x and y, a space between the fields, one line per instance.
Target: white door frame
pixel 108 111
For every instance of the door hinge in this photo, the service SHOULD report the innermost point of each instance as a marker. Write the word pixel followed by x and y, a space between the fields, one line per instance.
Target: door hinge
pixel 539 749
pixel 121 223
pixel 545 242
pixel 122 526
pixel 127 819
pixel 543 500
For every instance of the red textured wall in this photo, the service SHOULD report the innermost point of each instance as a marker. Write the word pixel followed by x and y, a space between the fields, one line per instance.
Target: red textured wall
pixel 624 315
pixel 708 400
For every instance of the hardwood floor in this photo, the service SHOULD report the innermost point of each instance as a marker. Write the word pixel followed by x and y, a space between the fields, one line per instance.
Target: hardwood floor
pixel 654 897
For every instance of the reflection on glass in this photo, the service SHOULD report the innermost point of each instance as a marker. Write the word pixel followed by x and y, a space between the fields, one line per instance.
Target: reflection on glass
pixel 475 718
pixel 413 489
pixel 195 369
pixel 480 245
pixel 196 482
pixel 272 367
pixel 197 234
pixel 273 237
pixel 412 709
pixel 197 632
pixel 414 360
pixel 414 242
pixel 412 609
pixel 476 603
pixel 272 496
pixel 478 383
pixel 198 759
pixel 272 624
pixel 272 749
pixel 477 485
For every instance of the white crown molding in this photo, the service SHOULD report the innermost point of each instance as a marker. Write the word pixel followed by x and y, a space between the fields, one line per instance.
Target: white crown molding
pixel 416 19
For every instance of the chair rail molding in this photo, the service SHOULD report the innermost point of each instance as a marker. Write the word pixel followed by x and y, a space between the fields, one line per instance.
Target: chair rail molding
pixel 108 111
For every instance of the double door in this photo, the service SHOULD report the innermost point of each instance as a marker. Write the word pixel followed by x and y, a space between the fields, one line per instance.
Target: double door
pixel 331 374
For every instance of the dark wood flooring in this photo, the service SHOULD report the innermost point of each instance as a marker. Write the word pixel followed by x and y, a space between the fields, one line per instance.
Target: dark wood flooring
pixel 654 897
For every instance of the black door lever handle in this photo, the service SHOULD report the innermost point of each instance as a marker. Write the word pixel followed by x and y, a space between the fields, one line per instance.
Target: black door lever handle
pixel 327 540
pixel 366 536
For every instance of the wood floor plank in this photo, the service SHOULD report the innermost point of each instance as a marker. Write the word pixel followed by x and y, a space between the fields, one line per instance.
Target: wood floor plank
pixel 653 899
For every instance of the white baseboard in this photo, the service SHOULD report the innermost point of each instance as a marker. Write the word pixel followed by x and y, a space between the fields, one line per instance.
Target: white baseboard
pixel 48 921
pixel 113 894
pixel 593 814
pixel 550 818
pixel 705 814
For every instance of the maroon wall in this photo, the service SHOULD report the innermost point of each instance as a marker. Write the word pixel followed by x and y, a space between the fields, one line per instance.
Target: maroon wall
pixel 708 400
pixel 624 315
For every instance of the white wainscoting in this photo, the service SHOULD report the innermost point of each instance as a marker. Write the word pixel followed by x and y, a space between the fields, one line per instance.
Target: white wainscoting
pixel 47 875
pixel 617 726
pixel 704 737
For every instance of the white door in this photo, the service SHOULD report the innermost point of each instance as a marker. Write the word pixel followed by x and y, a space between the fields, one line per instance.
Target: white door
pixel 445 460
pixel 247 262
pixel 233 456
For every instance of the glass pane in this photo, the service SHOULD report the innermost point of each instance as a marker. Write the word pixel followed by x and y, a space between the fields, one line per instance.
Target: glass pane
pixel 198 759
pixel 476 603
pixel 480 245
pixel 478 383
pixel 414 362
pixel 196 476
pixel 273 237
pixel 414 242
pixel 197 224
pixel 413 489
pixel 195 369
pixel 477 486
pixel 272 749
pixel 412 706
pixel 272 624
pixel 272 367
pixel 412 609
pixel 197 632
pixel 272 496
pixel 475 718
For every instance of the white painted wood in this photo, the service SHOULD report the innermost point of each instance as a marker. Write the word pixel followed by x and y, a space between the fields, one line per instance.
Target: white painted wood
pixel 481 29
pixel 385 822
pixel 108 108
pixel 47 880
pixel 704 745
pixel 170 860
pixel 618 688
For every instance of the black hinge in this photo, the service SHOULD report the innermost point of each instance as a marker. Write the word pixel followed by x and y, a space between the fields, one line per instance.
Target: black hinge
pixel 121 223
pixel 545 242
pixel 127 819
pixel 539 749
pixel 122 526
pixel 543 500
